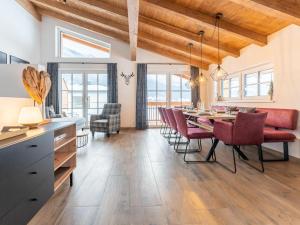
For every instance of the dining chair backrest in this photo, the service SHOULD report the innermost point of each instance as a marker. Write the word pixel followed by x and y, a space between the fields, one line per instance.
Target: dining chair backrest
pixel 248 128
pixel 181 122
pixel 162 117
pixel 163 110
pixel 171 118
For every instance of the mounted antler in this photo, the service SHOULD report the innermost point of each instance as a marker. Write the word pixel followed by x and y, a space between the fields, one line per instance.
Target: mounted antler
pixel 127 77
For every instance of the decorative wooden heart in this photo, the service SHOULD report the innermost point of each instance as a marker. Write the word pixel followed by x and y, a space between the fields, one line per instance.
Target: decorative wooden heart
pixel 37 84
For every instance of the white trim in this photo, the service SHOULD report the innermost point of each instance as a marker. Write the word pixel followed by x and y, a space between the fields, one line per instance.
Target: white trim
pixel 58 48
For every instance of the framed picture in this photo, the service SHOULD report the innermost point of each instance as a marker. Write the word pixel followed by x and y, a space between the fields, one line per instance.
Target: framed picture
pixel 16 60
pixel 3 58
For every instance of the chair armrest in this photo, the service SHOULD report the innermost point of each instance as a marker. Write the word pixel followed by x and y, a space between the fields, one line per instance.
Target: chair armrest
pixel 114 122
pixel 95 117
pixel 223 131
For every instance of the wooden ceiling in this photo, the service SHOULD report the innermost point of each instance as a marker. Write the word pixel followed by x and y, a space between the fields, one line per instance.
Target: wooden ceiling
pixel 167 27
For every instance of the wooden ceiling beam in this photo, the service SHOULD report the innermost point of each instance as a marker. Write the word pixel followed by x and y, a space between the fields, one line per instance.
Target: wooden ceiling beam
pixel 157 49
pixel 65 8
pixel 29 7
pixel 96 4
pixel 276 8
pixel 188 35
pixel 172 45
pixel 209 21
pixel 133 24
pixel 85 25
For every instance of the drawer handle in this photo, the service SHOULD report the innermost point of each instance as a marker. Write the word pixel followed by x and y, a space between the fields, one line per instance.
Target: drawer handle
pixel 33 199
pixel 33 172
pixel 33 146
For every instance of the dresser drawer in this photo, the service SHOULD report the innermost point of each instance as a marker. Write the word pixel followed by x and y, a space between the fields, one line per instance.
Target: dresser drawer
pixel 27 208
pixel 15 189
pixel 21 155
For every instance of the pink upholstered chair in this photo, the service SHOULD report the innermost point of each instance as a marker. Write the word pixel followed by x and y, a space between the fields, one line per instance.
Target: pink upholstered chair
pixel 172 124
pixel 248 129
pixel 189 132
pixel 162 120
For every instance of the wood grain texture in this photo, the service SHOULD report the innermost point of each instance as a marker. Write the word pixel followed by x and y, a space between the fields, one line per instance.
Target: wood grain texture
pixel 29 7
pixel 133 24
pixel 208 20
pixel 135 178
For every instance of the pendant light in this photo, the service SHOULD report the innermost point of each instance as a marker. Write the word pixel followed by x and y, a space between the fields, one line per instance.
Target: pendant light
pixel 219 73
pixel 192 82
pixel 201 77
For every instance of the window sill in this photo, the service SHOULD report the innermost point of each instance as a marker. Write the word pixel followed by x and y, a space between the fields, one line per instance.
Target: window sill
pixel 247 101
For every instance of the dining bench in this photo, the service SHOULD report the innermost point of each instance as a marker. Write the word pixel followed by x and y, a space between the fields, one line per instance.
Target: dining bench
pixel 278 128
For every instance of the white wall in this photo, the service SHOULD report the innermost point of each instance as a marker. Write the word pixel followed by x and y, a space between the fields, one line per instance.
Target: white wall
pixel 20 32
pixel 120 54
pixel 283 51
pixel 20 37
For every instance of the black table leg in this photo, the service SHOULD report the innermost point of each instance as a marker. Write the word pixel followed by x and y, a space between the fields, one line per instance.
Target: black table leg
pixel 212 150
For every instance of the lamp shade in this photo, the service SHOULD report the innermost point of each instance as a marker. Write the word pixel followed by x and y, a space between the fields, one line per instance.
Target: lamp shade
pixel 30 116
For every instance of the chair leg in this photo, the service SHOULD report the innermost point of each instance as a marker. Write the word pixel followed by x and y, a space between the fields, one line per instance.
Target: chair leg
pixel 93 133
pixel 260 158
pixel 234 162
pixel 199 145
pixel 285 154
pixel 195 161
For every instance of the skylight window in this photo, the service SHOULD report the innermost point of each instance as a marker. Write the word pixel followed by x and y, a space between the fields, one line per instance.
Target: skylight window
pixel 75 46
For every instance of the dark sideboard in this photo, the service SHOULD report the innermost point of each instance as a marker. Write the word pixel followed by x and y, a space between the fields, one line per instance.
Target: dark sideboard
pixel 32 167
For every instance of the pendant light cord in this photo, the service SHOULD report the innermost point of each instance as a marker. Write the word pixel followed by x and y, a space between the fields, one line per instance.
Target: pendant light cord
pixel 218 24
pixel 201 52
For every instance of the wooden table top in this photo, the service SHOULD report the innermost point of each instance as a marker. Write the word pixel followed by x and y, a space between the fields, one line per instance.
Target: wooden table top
pixel 223 116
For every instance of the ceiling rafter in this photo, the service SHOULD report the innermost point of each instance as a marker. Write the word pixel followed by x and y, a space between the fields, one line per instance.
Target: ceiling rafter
pixel 29 7
pixel 188 35
pixel 180 48
pixel 278 8
pixel 123 37
pixel 162 26
pixel 85 25
pixel 52 5
pixel 60 7
pixel 133 23
pixel 209 21
pixel 153 47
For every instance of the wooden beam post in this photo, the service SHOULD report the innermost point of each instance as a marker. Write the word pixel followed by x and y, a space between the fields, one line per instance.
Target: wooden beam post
pixel 133 23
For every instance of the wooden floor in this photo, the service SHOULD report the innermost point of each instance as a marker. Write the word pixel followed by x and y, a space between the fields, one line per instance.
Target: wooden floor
pixel 135 178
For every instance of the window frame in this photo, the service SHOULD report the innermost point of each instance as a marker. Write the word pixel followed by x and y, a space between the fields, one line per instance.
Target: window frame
pixel 230 77
pixel 59 34
pixel 242 81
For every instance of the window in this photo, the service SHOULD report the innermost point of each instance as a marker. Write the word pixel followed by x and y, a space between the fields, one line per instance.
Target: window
pixel 231 88
pixel 180 91
pixel 83 93
pixel 166 89
pixel 256 84
pixel 73 45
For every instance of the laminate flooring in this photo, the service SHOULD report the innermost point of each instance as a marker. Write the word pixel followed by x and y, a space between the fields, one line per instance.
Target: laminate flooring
pixel 136 178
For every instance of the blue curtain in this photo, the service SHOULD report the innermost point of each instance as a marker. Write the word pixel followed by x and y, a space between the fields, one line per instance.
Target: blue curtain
pixel 52 98
pixel 112 83
pixel 141 97
pixel 196 88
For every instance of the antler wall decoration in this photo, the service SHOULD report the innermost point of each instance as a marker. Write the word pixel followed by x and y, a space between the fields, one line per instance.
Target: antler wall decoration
pixel 127 77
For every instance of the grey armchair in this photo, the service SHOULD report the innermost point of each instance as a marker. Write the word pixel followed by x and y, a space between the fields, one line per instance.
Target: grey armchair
pixel 108 122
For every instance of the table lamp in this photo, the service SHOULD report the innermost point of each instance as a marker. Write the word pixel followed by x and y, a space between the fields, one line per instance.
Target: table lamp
pixel 30 117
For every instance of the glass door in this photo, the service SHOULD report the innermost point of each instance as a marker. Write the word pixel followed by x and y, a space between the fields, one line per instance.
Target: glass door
pixel 83 93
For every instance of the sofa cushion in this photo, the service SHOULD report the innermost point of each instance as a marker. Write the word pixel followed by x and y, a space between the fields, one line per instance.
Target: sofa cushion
pixel 100 123
pixel 281 118
pixel 273 135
